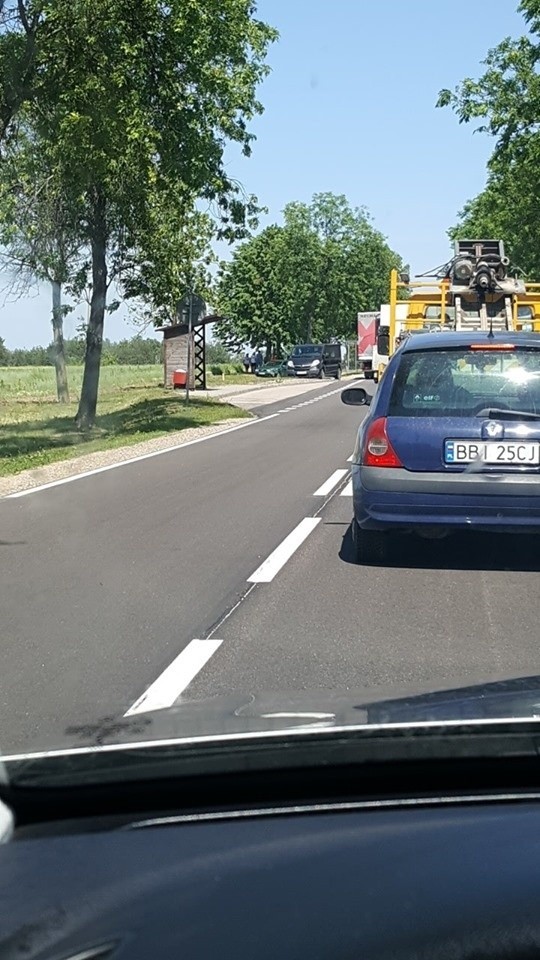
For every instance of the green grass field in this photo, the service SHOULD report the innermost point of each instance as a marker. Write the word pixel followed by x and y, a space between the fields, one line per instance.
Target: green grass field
pixel 133 406
pixel 37 384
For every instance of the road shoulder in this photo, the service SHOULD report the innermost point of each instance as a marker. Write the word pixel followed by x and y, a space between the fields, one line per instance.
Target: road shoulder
pixel 39 476
pixel 248 398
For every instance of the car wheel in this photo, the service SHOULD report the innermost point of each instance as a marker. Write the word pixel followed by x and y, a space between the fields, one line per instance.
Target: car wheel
pixel 338 374
pixel 322 373
pixel 370 546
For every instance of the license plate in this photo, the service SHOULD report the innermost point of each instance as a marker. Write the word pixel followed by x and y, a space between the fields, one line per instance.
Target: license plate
pixel 301 373
pixel 492 451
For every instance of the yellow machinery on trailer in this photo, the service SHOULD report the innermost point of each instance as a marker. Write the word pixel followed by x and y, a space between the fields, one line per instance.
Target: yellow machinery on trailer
pixel 471 292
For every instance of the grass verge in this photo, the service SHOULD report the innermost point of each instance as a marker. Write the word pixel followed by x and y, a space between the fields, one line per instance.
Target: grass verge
pixel 34 433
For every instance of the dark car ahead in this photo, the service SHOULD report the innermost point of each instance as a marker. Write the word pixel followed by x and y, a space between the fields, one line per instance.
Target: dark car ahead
pixel 315 360
pixel 452 440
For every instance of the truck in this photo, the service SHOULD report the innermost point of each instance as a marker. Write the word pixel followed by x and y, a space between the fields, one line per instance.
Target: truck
pixel 367 328
pixel 473 291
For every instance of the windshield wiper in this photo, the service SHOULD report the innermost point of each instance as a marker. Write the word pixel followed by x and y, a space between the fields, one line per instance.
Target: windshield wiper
pixel 502 413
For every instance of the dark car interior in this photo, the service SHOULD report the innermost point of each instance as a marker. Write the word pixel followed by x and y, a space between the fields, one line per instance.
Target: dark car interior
pixel 336 859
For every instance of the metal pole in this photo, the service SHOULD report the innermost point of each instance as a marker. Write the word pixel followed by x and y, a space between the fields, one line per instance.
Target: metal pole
pixel 393 309
pixel 444 290
pixel 190 327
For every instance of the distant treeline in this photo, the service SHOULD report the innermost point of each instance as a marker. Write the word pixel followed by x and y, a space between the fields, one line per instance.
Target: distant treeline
pixel 138 350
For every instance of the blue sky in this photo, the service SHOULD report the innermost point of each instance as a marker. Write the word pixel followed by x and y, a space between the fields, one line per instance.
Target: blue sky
pixel 350 108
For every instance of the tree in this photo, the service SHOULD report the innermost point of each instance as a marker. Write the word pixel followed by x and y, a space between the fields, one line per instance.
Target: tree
pixel 39 234
pixel 505 210
pixel 215 353
pixel 4 354
pixel 128 100
pixel 506 101
pixel 138 350
pixel 250 293
pixel 356 262
pixel 306 279
pixel 299 272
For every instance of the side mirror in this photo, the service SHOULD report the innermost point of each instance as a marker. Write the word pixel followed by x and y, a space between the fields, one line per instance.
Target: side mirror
pixel 356 397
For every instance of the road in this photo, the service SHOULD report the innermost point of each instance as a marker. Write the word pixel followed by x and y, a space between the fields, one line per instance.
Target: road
pixel 226 566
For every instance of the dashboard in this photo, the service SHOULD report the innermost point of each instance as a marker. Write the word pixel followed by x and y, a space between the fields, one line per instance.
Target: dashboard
pixel 444 878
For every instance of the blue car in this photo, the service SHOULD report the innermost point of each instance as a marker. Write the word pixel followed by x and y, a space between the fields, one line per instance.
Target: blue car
pixel 451 441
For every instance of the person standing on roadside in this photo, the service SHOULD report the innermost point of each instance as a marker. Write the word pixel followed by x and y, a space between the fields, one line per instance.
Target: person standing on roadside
pixel 256 361
pixel 247 362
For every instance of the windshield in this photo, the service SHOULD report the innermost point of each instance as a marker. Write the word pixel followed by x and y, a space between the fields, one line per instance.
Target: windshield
pixel 442 383
pixel 217 219
pixel 307 350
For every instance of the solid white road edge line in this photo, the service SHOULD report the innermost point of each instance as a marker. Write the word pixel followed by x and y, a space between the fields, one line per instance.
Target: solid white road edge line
pixel 147 456
pixel 164 691
pixel 273 564
pixel 329 484
pixel 347 491
pixel 143 456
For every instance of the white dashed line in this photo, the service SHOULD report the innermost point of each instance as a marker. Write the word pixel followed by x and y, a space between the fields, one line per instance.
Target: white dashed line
pixel 273 564
pixel 329 484
pixel 164 691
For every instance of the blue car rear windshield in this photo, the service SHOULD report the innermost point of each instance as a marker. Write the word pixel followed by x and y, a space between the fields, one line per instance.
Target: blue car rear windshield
pixel 460 382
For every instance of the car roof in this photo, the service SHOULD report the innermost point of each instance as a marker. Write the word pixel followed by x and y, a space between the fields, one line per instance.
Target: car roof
pixel 464 338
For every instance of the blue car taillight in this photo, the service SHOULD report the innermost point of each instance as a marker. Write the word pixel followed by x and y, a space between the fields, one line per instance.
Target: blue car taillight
pixel 378 451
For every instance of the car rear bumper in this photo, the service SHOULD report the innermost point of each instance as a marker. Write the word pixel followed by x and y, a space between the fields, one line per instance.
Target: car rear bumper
pixel 385 498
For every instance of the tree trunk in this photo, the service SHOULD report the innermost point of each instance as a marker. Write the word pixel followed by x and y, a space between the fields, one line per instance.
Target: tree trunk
pixel 59 356
pixel 309 335
pixel 94 333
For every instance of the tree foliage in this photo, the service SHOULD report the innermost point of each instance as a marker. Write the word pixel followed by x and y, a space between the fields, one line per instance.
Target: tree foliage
pixel 217 353
pixel 250 292
pixel 135 351
pixel 306 279
pixel 20 24
pixel 173 256
pixel 506 102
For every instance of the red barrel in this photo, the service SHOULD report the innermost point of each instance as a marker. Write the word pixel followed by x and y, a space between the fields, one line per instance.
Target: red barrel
pixel 179 378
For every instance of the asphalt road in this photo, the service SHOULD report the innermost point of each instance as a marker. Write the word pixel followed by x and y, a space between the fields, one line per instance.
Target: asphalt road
pixel 221 567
